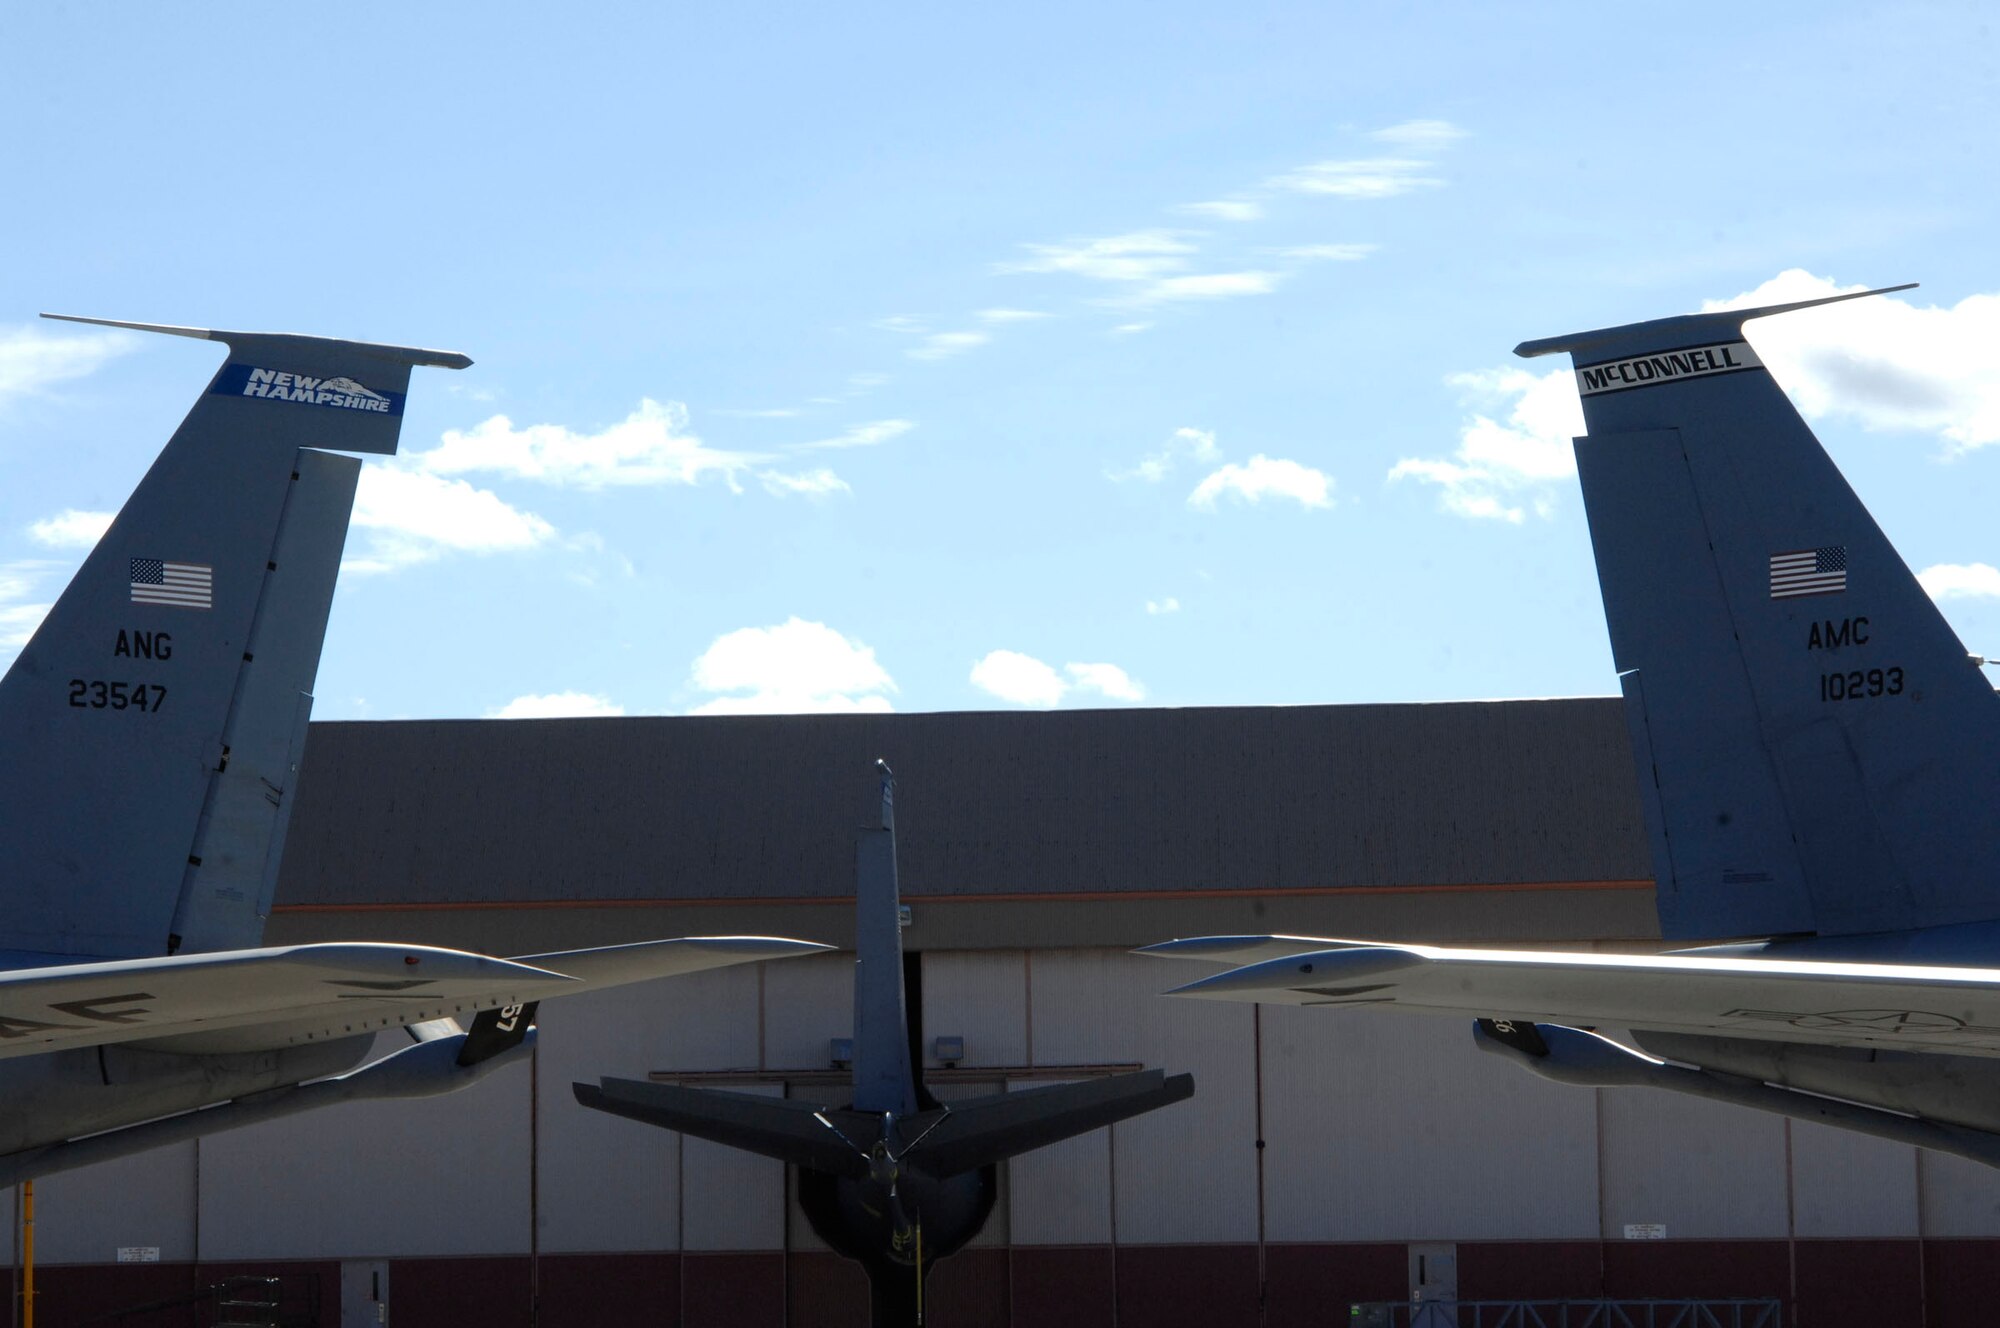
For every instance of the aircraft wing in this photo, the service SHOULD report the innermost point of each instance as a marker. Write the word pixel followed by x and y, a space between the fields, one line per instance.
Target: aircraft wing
pixel 1909 1007
pixel 615 965
pixel 250 1000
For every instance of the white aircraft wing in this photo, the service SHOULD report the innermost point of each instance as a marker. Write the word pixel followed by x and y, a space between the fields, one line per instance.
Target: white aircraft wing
pixel 248 1000
pixel 615 965
pixel 1909 1007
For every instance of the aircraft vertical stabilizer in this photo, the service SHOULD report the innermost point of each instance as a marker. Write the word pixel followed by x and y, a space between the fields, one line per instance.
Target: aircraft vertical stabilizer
pixel 1817 749
pixel 883 1076
pixel 153 724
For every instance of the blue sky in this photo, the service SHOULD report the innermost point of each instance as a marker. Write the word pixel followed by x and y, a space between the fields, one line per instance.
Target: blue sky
pixel 1052 355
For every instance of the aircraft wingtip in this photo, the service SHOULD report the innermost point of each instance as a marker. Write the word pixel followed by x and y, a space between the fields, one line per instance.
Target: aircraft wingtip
pixel 768 947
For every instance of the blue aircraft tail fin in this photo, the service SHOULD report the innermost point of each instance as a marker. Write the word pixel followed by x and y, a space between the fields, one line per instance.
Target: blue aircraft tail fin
pixel 152 726
pixel 884 1079
pixel 1816 747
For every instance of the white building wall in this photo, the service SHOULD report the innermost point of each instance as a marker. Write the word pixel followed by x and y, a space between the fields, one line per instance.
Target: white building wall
pixel 1961 1199
pixel 84 1216
pixel 807 1003
pixel 982 996
pixel 1701 1169
pixel 1851 1186
pixel 1062 1194
pixel 1186 1173
pixel 1384 1126
pixel 435 1176
pixel 705 1021
pixel 731 1200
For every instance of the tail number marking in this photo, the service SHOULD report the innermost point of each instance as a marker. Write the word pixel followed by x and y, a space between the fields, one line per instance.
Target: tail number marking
pixel 97 694
pixel 1860 684
pixel 509 1016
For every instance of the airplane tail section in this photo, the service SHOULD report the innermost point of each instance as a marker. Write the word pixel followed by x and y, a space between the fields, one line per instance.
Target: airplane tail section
pixel 884 1079
pixel 1816 747
pixel 787 1129
pixel 946 1140
pixel 155 721
pixel 992 1129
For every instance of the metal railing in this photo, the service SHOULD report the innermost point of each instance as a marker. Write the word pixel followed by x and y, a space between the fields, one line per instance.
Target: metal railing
pixel 247 1300
pixel 1568 1314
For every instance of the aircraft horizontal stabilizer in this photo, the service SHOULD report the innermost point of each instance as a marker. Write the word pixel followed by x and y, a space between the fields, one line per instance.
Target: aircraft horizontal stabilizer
pixel 413 355
pixel 992 1129
pixel 1909 1007
pixel 789 1130
pixel 944 1141
pixel 1670 331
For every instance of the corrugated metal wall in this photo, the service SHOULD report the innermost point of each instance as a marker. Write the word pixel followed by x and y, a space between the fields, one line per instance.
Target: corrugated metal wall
pixel 1118 801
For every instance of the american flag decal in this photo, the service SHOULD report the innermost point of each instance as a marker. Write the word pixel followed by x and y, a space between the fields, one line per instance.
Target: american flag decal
pixel 1809 572
pixel 156 581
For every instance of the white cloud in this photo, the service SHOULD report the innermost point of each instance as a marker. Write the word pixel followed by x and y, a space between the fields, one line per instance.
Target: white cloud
pixel 1420 135
pixel 1961 581
pixel 1107 679
pixel 1212 286
pixel 1167 605
pixel 820 483
pixel 1503 470
pixel 1026 681
pixel 942 345
pixel 18 623
pixel 413 516
pixel 652 445
pixel 557 705
pixel 20 614
pixel 861 435
pixel 71 529
pixel 1375 177
pixel 898 323
pixel 1261 477
pixel 1200 443
pixel 32 360
pixel 1019 679
pixel 1328 253
pixel 1010 315
pixel 1883 361
pixel 1224 209
pixel 1135 256
pixel 1197 444
pixel 1150 265
pixel 797 667
pixel 1128 329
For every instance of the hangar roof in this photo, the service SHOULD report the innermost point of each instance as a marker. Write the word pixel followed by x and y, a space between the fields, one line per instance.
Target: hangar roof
pixel 1462 820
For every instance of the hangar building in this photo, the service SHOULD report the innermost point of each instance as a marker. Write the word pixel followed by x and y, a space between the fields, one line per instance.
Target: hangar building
pixel 1323 1156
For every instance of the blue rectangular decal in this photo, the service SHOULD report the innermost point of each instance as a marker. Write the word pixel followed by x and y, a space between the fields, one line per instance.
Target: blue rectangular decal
pixel 243 380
